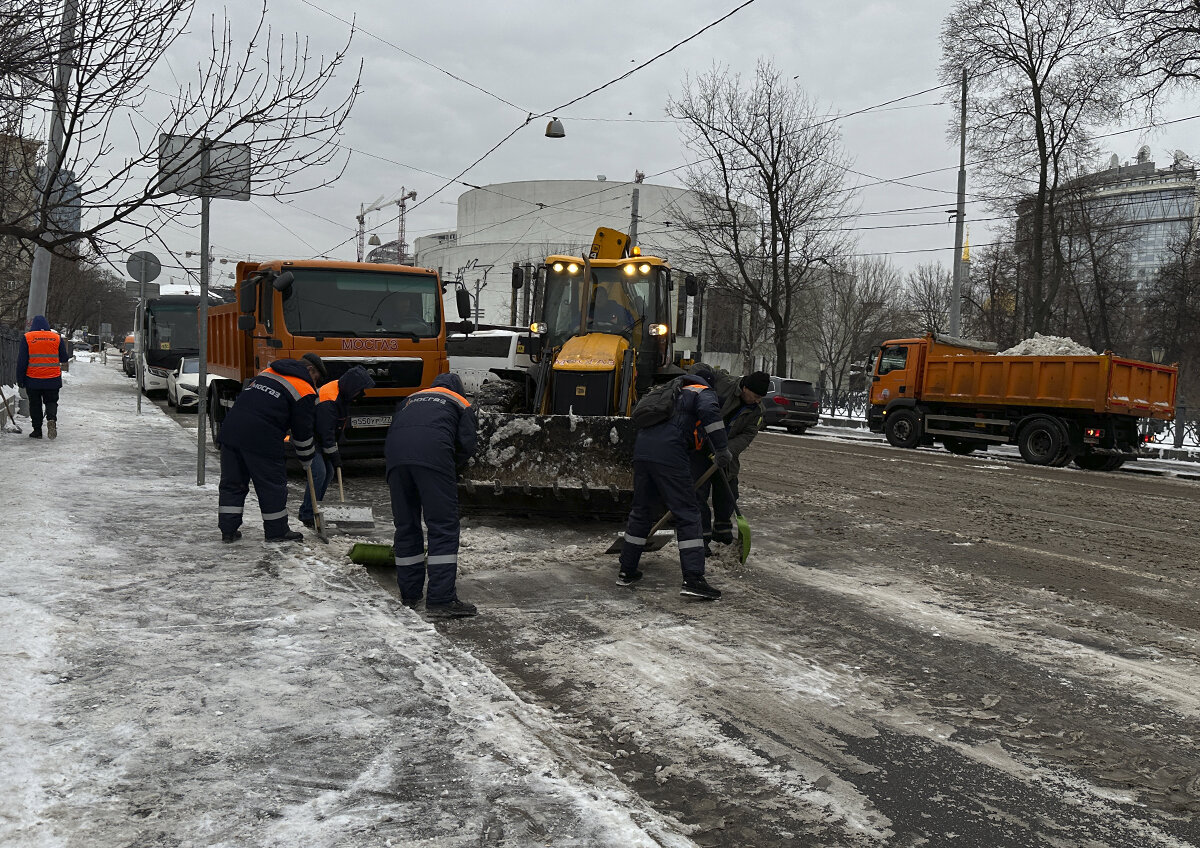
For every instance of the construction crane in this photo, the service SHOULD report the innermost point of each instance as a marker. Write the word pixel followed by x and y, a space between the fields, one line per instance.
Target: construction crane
pixel 362 222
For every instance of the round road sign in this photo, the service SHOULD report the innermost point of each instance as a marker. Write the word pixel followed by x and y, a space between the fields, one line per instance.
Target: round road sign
pixel 143 266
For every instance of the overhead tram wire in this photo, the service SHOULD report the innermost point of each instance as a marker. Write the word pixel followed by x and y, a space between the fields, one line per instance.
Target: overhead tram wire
pixel 412 55
pixel 531 117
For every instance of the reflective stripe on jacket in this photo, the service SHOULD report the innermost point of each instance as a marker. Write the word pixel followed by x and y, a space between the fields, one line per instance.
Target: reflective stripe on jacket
pixel 43 355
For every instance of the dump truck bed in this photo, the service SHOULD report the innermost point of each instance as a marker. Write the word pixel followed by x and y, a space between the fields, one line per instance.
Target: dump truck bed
pixel 1103 383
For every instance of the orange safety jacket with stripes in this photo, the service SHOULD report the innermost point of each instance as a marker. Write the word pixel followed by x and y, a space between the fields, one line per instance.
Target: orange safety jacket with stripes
pixel 43 355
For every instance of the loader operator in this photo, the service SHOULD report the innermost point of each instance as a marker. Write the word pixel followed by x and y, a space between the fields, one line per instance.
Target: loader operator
pixel 609 313
pixel 742 411
pixel 432 435
pixel 280 399
pixel 329 422
pixel 661 470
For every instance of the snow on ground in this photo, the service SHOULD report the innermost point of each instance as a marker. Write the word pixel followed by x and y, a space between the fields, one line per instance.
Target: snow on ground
pixel 159 687
pixel 1041 345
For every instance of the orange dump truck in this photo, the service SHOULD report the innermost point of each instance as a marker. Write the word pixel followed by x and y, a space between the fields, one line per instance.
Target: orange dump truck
pixel 1055 409
pixel 386 318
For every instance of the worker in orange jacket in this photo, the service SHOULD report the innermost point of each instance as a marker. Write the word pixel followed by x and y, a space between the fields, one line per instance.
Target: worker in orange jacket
pixel 39 372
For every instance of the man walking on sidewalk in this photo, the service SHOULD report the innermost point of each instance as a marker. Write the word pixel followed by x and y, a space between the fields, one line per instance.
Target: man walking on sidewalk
pixel 280 399
pixel 432 435
pixel 39 373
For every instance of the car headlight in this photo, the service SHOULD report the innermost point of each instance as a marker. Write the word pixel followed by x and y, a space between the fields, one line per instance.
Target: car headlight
pixel 187 388
pixel 158 372
pixel 658 329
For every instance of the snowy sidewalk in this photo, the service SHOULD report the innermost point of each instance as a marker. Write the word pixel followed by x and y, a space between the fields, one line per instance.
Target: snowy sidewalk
pixel 160 688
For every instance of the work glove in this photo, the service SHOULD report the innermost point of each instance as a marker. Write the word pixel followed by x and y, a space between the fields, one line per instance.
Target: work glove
pixel 306 464
pixel 724 459
pixel 335 459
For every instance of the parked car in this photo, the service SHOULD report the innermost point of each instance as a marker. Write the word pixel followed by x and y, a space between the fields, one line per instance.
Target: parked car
pixel 792 404
pixel 128 357
pixel 183 384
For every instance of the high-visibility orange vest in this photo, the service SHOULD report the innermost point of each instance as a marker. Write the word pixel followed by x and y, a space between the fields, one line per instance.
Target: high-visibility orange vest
pixel 329 391
pixel 300 388
pixel 43 355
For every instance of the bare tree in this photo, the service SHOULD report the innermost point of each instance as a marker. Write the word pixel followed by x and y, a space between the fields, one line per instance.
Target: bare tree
pixel 1159 39
pixel 1041 74
pixel 263 91
pixel 1172 303
pixel 769 183
pixel 927 292
pixel 850 310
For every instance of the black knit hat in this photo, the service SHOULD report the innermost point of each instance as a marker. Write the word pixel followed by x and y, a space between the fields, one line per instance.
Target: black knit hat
pixel 759 382
pixel 315 361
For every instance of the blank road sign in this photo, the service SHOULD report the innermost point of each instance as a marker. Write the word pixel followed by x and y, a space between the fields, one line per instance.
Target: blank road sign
pixel 179 160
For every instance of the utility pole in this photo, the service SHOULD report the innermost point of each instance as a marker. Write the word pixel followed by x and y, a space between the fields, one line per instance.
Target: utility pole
pixel 39 277
pixel 633 221
pixel 956 289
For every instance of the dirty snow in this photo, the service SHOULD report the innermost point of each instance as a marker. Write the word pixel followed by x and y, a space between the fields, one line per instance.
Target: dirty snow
pixel 1041 345
pixel 158 687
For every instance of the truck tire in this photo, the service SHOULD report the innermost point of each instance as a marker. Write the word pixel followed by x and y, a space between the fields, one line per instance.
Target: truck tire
pixel 960 447
pixel 1041 441
pixel 500 396
pixel 903 428
pixel 1092 461
pixel 796 429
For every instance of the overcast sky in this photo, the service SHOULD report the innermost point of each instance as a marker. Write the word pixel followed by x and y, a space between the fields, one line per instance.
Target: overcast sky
pixel 415 126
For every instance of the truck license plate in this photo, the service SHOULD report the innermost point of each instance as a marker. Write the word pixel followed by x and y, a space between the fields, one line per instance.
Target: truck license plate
pixel 370 420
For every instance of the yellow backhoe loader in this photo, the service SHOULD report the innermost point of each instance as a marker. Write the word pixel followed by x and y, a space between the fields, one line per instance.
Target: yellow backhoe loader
pixel 555 435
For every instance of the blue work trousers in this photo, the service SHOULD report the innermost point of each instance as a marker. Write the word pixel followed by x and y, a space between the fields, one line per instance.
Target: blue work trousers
pixel 671 485
pixel 432 493
pixel 322 471
pixel 717 521
pixel 269 474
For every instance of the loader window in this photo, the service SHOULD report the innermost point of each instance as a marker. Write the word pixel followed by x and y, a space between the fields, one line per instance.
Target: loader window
pixel 338 302
pixel 892 358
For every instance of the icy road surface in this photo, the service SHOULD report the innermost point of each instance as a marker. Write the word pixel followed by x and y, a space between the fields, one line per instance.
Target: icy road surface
pixel 923 650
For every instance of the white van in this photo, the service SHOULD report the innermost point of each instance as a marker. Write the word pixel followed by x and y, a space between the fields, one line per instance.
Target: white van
pixel 485 355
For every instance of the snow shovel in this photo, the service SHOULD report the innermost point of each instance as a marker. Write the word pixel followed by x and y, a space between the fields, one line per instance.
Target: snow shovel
pixel 743 525
pixel 349 517
pixel 318 520
pixel 657 538
pixel 16 428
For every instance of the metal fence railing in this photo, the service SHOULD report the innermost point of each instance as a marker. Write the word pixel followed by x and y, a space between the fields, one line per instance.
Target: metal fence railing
pixel 844 404
pixel 10 345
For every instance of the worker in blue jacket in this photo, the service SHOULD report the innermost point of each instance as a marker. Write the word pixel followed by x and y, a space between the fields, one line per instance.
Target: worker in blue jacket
pixel 329 422
pixel 662 473
pixel 433 434
pixel 280 400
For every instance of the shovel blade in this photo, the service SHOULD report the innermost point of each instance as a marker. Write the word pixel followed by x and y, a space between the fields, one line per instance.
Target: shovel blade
pixel 743 527
pixel 656 542
pixel 349 516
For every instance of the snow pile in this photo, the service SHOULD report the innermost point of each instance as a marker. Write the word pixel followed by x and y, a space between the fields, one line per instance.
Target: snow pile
pixel 1041 345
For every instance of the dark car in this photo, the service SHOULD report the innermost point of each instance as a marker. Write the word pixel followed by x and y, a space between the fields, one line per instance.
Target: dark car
pixel 792 404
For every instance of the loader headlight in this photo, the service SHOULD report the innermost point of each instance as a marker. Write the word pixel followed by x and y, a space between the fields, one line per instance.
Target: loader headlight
pixel 644 268
pixel 558 267
pixel 658 329
pixel 572 268
pixel 630 270
pixel 538 328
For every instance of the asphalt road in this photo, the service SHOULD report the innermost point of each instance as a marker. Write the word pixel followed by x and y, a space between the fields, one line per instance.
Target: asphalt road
pixel 922 649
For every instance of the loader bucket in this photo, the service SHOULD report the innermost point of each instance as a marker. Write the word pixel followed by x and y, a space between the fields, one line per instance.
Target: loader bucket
pixel 551 464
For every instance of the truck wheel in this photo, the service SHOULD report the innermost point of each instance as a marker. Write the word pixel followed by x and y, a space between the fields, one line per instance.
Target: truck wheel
pixel 903 429
pixel 959 447
pixel 796 431
pixel 1114 462
pixel 1041 441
